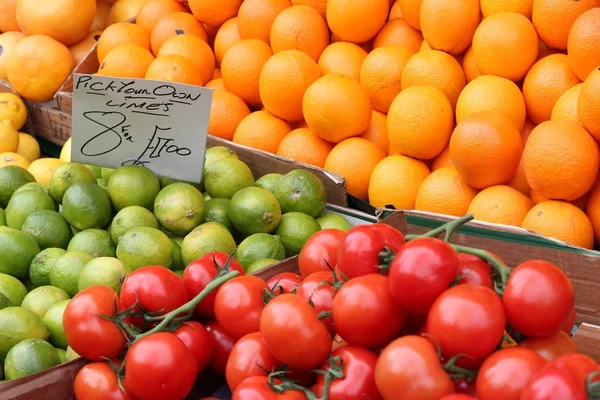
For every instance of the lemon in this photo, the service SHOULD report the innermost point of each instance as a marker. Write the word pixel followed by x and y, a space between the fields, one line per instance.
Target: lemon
pixel 13 109
pixel 9 137
pixel 43 168
pixel 28 147
pixel 65 153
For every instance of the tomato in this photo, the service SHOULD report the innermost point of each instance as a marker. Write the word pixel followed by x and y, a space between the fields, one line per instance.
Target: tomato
pixel 364 312
pixel 472 269
pixel 89 335
pixel 97 381
pixel 538 299
pixel 464 386
pixel 286 282
pixel 458 396
pixel 469 320
pixel 197 339
pixel 200 273
pixel 155 288
pixel 161 367
pixel 551 347
pixel 293 333
pixel 570 322
pixel 505 374
pixel 414 324
pixel 314 288
pixel 222 346
pixel 257 388
pixel 249 357
pixel 409 369
pixel 319 251
pixel 358 382
pixel 358 253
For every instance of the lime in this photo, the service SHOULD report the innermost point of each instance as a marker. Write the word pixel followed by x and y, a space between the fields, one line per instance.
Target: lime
pixel 86 206
pixel 66 175
pixel 269 182
pixel 260 264
pixel 105 173
pixel 254 210
pixel 206 238
pixel 2 217
pixel 12 178
pixel 216 211
pixel 39 300
pixel 104 271
pixel 133 185
pixel 62 354
pixel 166 181
pixel 28 357
pixel 4 301
pixel 66 271
pixel 103 183
pixel 295 229
pixel 17 250
pixel 53 320
pixel 13 289
pixel 259 246
pixel 48 228
pixel 71 355
pixel 335 221
pixel 217 153
pixel 179 208
pixel 206 196
pixel 24 203
pixel 226 176
pixel 97 171
pixel 177 259
pixel 17 324
pixel 29 285
pixel 144 246
pixel 96 242
pixel 129 218
pixel 32 186
pixel 301 191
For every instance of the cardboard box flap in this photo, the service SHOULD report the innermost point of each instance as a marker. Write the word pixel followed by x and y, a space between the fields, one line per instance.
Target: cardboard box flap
pixel 64 95
pixel 587 339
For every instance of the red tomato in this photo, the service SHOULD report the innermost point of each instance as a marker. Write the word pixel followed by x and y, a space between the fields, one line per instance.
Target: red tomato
pixel 293 333
pixel 538 299
pixel 505 374
pixel 468 320
pixel 463 386
pixel 474 270
pixel 551 347
pixel 409 369
pixel 570 322
pixel 222 346
pixel 320 250
pixel 257 388
pixel 249 357
pixel 89 335
pixel 320 294
pixel 414 324
pixel 160 367
pixel 286 282
pixel 458 396
pixel 197 339
pixel 200 273
pixel 358 382
pixel 97 381
pixel 364 312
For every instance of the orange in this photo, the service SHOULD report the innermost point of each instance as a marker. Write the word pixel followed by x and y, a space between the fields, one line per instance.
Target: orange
pixel 304 146
pixel 489 7
pixel 544 51
pixel 519 180
pixel 366 46
pixel 486 149
pixel 38 66
pixel 214 12
pixel 449 25
pixel 121 33
pixel 505 44
pixel 593 210
pixel 377 131
pixel 298 124
pixel 123 10
pixel 126 61
pixel 226 112
pixel 545 82
pixel 492 93
pixel 398 31
pixel 526 131
pixel 261 130
pixel 153 10
pixel 8 42
pixel 67 21
pixel 396 181
pixel 216 84
pixel 173 24
pixel 396 10
pixel 566 106
pixel 342 58
pixel 437 69
pixel 562 221
pixel 442 160
pixel 420 122
pixel 283 81
pixel 354 159
pixel 102 9
pixel 561 160
pixel 10 158
pixel 8 16
pixel 255 17
pixel 500 204
pixel 381 73
pixel 469 66
pixel 553 19
pixel 589 104
pixel 336 107
pixel 174 68
pixel 216 73
pixel 445 192
pixel 583 46
pixel 411 11
pixel 194 49
pixel 580 202
pixel 319 5
pixel 241 67
pixel 357 21
pixel 227 35
pixel 80 50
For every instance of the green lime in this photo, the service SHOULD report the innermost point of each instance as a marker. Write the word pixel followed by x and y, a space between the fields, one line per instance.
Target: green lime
pixel 133 185
pixel 105 173
pixel 71 355
pixel 42 264
pixel 335 221
pixel 97 171
pixel 29 285
pixel 179 273
pixel 217 153
pixel 39 300
pixel 259 246
pixel 166 181
pixel 48 228
pixel 66 175
pixel 144 246
pixel 226 176
pixel 260 264
pixel 177 259
pixel 269 182
pixel 2 217
pixel 12 178
pixel 32 186
pixel 53 320
pixel 129 218
pixel 216 211
pixel 295 229
pixel 206 238
pixel 66 271
pixel 254 210
pixel 103 183
pixel 24 203
pixel 4 301
pixel 29 357
pixel 13 289
pixel 301 191
pixel 62 354
pixel 104 271
pixel 96 242
pixel 86 206
pixel 17 324
pixel 17 250
pixel 179 208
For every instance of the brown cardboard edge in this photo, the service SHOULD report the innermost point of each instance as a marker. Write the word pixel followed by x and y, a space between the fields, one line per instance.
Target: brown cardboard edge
pixel 64 95
pixel 49 123
pixel 587 339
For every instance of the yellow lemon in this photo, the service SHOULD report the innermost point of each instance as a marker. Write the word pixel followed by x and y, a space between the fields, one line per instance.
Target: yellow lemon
pixel 10 158
pixel 42 169
pixel 9 137
pixel 13 109
pixel 28 147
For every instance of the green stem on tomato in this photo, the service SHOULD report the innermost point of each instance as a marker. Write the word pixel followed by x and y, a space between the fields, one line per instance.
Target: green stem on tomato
pixel 502 270
pixel 456 372
pixel 593 388
pixel 449 228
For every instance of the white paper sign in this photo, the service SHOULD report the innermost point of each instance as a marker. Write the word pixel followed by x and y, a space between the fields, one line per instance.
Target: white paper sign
pixel 160 125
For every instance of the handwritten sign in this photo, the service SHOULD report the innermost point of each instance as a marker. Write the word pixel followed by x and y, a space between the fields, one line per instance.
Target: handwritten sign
pixel 159 125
